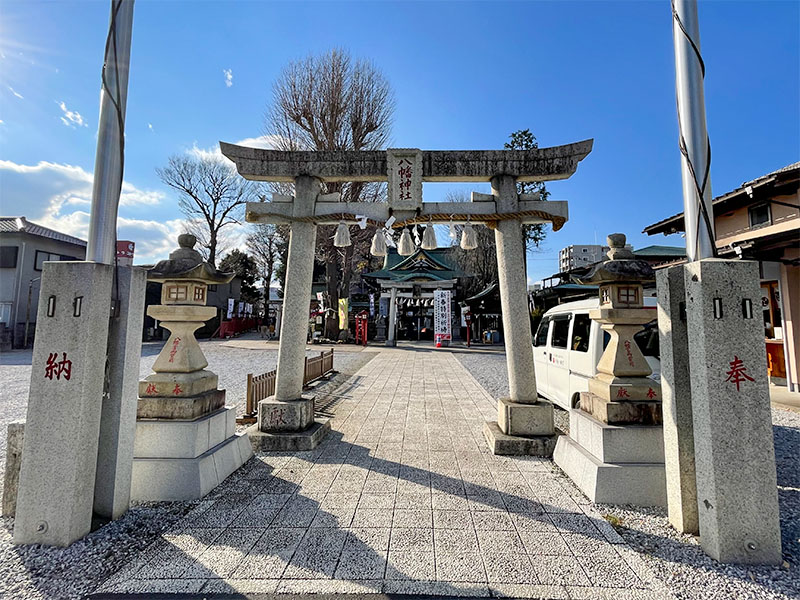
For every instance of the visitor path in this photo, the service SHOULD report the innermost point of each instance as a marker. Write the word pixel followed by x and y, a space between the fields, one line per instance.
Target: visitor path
pixel 401 497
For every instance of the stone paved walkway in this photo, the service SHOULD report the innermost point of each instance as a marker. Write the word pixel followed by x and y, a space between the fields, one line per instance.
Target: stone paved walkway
pixel 402 497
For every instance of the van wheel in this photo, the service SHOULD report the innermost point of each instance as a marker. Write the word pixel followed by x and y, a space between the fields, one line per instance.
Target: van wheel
pixel 576 401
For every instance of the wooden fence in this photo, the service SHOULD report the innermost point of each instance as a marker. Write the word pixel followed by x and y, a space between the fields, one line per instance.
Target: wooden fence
pixel 262 386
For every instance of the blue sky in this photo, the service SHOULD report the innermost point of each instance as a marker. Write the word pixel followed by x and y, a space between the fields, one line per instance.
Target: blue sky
pixel 465 75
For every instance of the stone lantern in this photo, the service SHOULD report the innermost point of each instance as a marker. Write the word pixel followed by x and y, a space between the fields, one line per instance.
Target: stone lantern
pixel 185 435
pixel 621 392
pixel 615 448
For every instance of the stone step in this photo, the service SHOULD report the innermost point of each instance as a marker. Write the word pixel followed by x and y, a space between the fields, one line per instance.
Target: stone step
pixel 169 438
pixel 617 443
pixel 170 479
pixel 639 484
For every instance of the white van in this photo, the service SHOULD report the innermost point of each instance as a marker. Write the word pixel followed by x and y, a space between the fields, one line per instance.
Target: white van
pixel 568 345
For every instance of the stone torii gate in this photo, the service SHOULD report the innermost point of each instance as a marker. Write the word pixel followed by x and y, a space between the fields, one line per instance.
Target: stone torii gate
pixel 525 423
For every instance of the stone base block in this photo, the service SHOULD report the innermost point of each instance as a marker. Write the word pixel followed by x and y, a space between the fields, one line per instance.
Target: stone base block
pixel 291 441
pixel 622 389
pixel 639 484
pixel 285 416
pixel 171 479
pixel 512 445
pixel 615 443
pixel 621 413
pixel 177 407
pixel 168 438
pixel 525 419
pixel 16 434
pixel 185 384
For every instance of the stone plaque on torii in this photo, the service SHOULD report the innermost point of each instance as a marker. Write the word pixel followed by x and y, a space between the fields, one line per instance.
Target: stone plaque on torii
pixel 286 420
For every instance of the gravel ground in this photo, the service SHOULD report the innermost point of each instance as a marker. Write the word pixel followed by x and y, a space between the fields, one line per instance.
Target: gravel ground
pixel 676 558
pixel 37 572
pixel 489 368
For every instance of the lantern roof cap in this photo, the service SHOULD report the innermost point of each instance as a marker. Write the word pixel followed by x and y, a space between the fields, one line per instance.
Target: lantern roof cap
pixel 187 263
pixel 622 265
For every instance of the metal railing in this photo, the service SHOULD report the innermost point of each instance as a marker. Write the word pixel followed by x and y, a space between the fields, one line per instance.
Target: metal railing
pixel 263 386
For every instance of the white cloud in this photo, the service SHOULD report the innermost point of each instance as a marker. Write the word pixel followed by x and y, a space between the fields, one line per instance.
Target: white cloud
pixel 267 142
pixel 228 77
pixel 16 93
pixel 59 196
pixel 71 118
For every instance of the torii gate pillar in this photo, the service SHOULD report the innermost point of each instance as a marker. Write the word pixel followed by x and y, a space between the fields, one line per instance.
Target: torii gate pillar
pixel 286 420
pixel 524 423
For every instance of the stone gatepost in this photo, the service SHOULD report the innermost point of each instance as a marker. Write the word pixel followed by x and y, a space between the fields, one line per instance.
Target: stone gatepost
pixel 524 422
pixel 186 441
pixel 286 420
pixel 614 452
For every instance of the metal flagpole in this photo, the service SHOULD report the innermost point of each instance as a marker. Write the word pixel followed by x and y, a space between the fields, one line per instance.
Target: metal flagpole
pixel 694 143
pixel 109 161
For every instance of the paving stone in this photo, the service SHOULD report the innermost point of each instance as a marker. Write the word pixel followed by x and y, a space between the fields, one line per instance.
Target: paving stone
pixel 464 567
pixel 411 539
pixel 508 568
pixel 528 590
pixel 328 586
pixel 334 517
pixel 240 586
pixel 367 539
pixel 404 517
pixel 500 542
pixel 410 565
pixel 452 519
pixel 436 588
pixel 376 500
pixel 455 541
pixel 538 543
pixel 559 570
pixel 373 517
pixel 361 565
pixel 492 521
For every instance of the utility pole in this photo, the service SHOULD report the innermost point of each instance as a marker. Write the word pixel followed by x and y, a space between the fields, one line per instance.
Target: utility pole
pixel 694 143
pixel 109 161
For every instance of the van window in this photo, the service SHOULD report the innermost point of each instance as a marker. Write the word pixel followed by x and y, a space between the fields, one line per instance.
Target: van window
pixel 560 332
pixel 580 333
pixel 647 339
pixel 541 333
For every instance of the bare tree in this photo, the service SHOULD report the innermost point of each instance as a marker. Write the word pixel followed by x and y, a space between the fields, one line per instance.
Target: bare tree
pixel 332 102
pixel 210 194
pixel 481 262
pixel 264 244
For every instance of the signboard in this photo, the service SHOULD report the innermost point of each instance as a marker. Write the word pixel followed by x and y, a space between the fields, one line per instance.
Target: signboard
pixel 125 253
pixel 404 178
pixel 231 302
pixel 442 317
pixel 372 305
pixel 342 313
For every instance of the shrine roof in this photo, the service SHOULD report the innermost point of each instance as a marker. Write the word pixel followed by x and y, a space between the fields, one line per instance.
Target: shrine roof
pixel 541 164
pixel 430 264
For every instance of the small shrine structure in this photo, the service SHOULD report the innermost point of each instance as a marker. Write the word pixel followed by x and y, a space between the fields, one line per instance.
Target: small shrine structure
pixel 410 282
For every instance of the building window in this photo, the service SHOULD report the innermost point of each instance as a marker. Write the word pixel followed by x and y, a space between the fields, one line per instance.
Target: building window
pixel 41 257
pixel 759 215
pixel 8 257
pixel 605 296
pixel 584 249
pixel 5 313
pixel 200 294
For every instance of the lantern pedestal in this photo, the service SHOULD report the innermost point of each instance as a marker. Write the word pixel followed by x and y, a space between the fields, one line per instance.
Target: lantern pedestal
pixel 186 442
pixel 614 452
